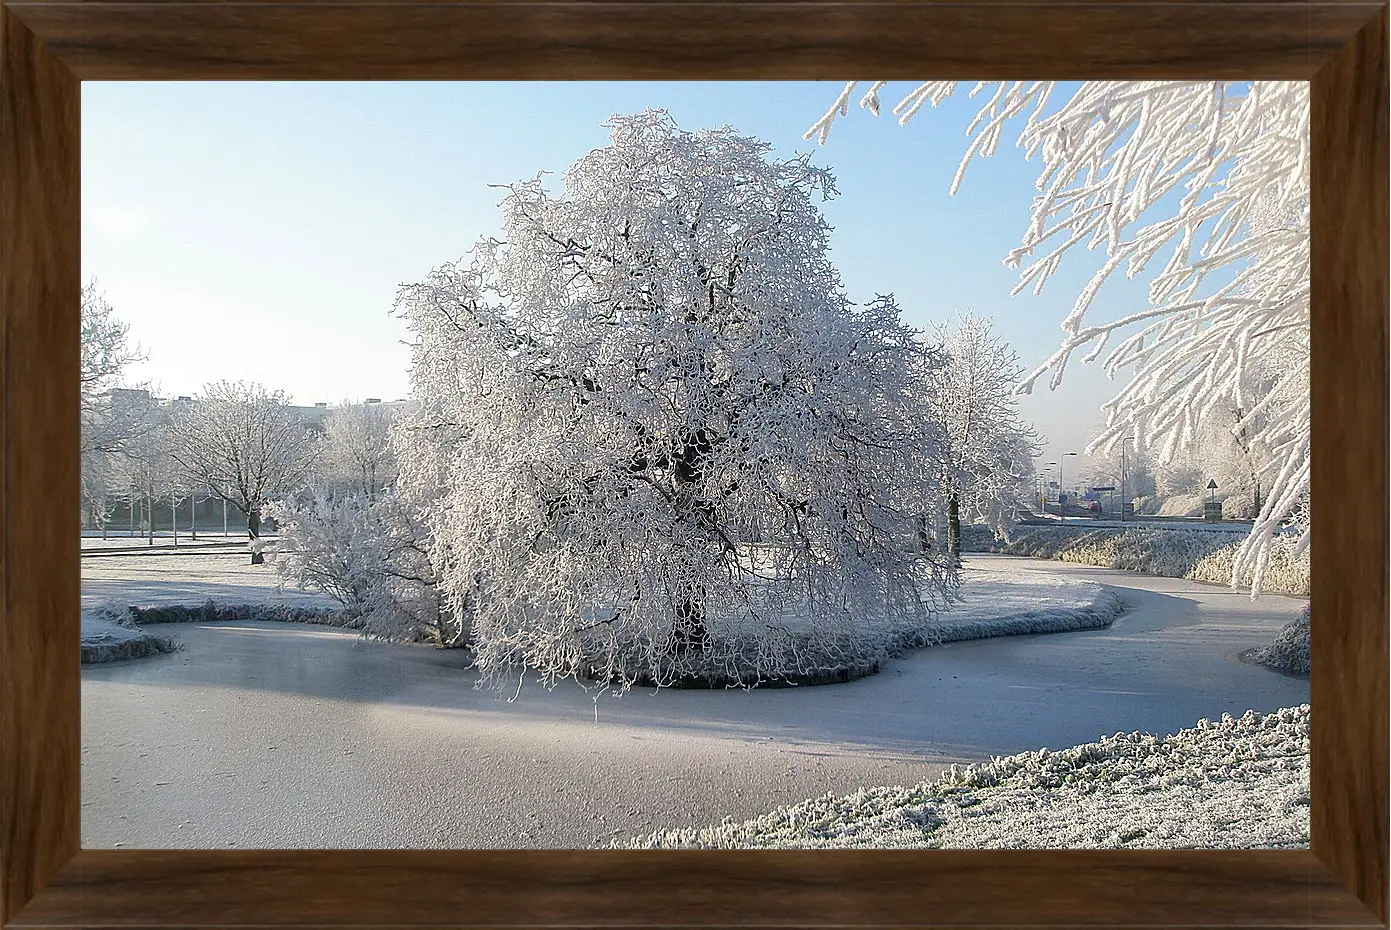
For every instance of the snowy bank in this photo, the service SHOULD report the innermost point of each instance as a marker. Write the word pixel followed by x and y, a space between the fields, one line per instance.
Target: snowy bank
pixel 1290 650
pixel 107 636
pixel 1234 784
pixel 211 611
pixel 991 604
pixel 114 631
pixel 1198 555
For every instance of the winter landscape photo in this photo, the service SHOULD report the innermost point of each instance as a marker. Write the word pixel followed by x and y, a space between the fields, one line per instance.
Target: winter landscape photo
pixel 695 465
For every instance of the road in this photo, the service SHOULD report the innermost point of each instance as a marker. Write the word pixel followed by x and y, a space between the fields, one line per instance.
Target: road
pixel 272 735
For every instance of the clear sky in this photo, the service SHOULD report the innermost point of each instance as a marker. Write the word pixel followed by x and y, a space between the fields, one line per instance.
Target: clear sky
pixel 260 231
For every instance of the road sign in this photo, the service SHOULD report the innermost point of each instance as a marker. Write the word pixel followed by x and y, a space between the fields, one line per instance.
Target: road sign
pixel 1107 488
pixel 1212 484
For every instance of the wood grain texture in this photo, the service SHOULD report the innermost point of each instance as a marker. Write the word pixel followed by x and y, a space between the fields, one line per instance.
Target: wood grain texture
pixel 39 268
pixel 695 888
pixel 1349 388
pixel 487 39
pixel 39 241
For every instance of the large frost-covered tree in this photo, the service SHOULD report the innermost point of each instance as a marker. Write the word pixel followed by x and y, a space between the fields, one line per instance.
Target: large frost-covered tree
pixel 1216 175
pixel 244 444
pixel 989 469
pixel 653 432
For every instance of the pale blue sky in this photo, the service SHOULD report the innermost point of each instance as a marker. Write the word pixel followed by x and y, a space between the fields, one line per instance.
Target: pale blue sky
pixel 259 231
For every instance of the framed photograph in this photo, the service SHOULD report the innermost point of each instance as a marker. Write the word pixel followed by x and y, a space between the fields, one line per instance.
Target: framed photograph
pixel 732 554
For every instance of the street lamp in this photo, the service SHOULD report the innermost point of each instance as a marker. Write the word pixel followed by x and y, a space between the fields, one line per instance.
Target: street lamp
pixel 1062 509
pixel 1125 473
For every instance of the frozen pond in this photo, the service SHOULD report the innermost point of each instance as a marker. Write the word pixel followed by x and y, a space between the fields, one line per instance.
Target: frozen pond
pixel 269 735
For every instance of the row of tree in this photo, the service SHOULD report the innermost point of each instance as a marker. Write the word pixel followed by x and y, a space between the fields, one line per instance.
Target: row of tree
pixel 233 442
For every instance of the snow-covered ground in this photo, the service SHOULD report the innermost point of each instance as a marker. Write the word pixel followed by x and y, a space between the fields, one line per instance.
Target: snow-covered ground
pixel 999 602
pixel 1234 784
pixel 144 579
pixel 123 540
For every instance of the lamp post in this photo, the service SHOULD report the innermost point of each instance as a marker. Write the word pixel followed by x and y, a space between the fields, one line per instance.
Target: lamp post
pixel 1062 509
pixel 1125 473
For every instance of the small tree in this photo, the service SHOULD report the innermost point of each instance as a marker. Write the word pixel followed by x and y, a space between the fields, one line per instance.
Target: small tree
pixel 989 467
pixel 107 423
pixel 368 555
pixel 649 372
pixel 356 451
pixel 144 465
pixel 244 444
pixel 106 354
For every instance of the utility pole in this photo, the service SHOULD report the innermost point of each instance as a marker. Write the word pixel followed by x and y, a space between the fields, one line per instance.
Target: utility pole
pixel 1123 477
pixel 1062 508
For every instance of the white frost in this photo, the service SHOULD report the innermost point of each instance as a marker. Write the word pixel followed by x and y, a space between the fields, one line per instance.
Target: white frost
pixel 1233 784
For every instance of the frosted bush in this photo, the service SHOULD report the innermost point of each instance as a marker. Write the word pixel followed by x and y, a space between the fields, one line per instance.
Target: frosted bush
pixel 1290 650
pixel 1200 555
pixel 371 557
pixel 1238 782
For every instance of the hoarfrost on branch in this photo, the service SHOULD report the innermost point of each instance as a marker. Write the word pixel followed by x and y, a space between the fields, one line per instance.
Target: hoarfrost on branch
pixel 654 436
pixel 1230 288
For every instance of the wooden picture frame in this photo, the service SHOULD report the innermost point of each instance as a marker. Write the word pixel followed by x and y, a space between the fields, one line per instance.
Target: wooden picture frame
pixel 48 46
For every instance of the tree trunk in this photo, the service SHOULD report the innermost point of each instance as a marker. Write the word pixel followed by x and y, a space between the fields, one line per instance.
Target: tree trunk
pixel 954 531
pixel 691 634
pixel 253 529
pixel 924 541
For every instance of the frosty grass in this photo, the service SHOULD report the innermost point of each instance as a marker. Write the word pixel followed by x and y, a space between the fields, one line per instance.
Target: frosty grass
pixel 1172 553
pixel 1231 784
pixel 1290 650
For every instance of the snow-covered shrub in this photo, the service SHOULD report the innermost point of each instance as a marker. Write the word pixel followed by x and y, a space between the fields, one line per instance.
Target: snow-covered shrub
pixel 370 556
pixel 981 537
pixel 114 612
pixel 211 611
pixel 1201 555
pixel 1147 504
pixel 1233 783
pixel 1239 507
pixel 1290 650
pixel 1180 478
pixel 110 633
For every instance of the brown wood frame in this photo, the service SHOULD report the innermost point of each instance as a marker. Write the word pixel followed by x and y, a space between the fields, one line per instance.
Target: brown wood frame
pixel 48 46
